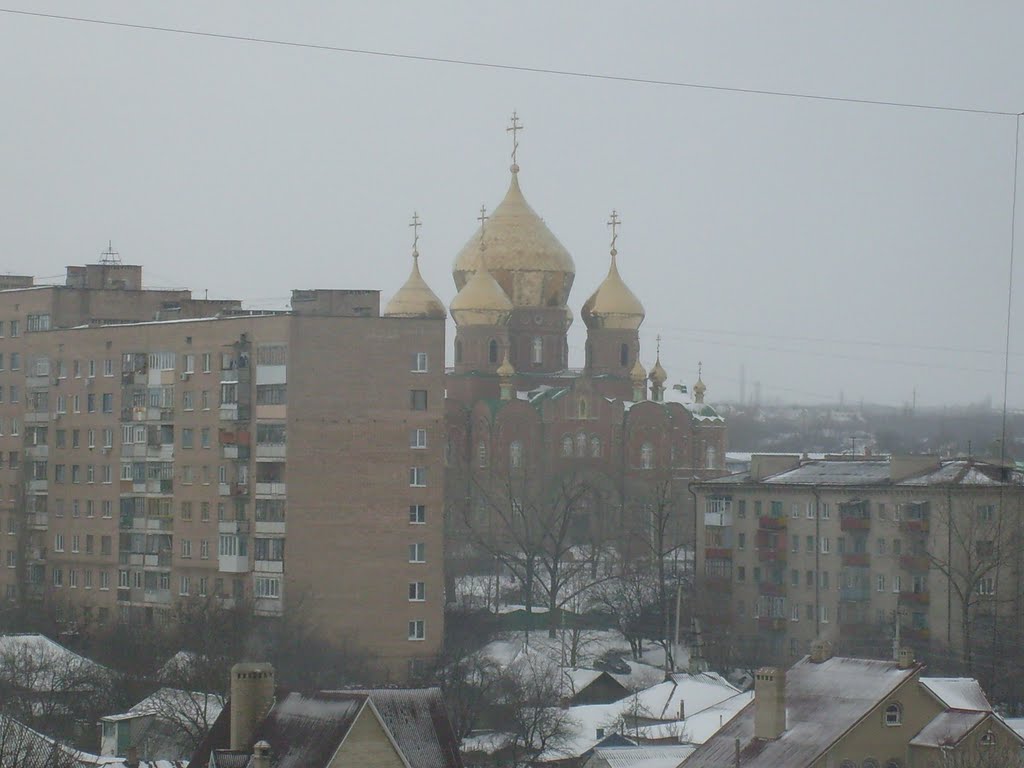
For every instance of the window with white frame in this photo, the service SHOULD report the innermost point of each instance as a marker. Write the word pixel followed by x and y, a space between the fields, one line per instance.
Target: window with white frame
pixel 418 438
pixel 893 715
pixel 417 629
pixel 418 552
pixel 58 542
pixel 184 585
pixel 417 591
pixel 419 362
pixel 418 477
pixel 268 587
pixel 417 514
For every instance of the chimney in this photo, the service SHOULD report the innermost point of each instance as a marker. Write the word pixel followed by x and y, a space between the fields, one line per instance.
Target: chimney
pixel 769 703
pixel 906 658
pixel 260 755
pixel 821 650
pixel 132 759
pixel 252 695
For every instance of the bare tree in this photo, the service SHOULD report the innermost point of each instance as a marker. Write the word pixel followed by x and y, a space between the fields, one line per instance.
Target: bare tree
pixel 537 725
pixel 22 747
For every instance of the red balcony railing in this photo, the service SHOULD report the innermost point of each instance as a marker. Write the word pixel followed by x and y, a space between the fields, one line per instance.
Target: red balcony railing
pixel 914 562
pixel 770 523
pixel 914 526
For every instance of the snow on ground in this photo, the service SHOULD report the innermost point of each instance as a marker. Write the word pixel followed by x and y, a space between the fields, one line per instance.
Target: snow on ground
pixel 591 645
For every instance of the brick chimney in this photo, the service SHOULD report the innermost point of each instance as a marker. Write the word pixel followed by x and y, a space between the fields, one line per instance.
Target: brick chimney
pixel 905 658
pixel 252 695
pixel 821 651
pixel 769 703
pixel 132 758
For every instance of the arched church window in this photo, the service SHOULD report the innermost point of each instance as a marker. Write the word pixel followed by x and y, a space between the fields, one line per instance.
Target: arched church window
pixel 458 351
pixel 515 454
pixel 710 457
pixel 595 447
pixel 567 445
pixel 492 351
pixel 537 354
pixel 646 456
pixel 581 445
pixel 481 453
pixel 624 355
pixel 583 408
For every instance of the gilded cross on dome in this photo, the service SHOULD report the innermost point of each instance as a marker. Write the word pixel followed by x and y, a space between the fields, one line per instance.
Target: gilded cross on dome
pixel 514 129
pixel 415 224
pixel 614 223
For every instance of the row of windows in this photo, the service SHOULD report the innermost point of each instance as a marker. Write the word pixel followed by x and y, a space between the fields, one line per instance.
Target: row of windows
pixel 73 582
pixel 106 544
pixel 849 580
pixel 494 351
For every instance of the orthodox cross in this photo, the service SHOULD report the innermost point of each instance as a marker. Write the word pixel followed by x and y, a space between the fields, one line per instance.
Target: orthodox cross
pixel 482 218
pixel 514 129
pixel 658 339
pixel 415 224
pixel 614 223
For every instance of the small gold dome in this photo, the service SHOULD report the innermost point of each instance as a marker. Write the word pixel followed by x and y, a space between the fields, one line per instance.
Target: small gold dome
pixel 613 305
pixel 415 299
pixel 638 374
pixel 698 390
pixel 505 370
pixel 481 301
pixel 526 259
pixel 658 375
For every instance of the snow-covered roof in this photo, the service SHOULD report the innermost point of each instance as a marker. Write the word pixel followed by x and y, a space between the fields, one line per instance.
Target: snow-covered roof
pixel 958 693
pixel 856 472
pixel 694 692
pixel 167 700
pixel 641 756
pixel 585 720
pixel 823 701
pixel 700 726
pixel 44 665
pixel 947 729
pixel 1016 724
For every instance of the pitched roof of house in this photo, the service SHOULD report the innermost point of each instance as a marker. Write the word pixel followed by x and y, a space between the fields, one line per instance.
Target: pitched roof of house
pixel 641 756
pixel 823 701
pixel 54 664
pixel 306 731
pixel 947 729
pixel 958 693
pixel 418 720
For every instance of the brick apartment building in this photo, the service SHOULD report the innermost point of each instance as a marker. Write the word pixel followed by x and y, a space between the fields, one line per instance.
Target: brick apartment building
pixel 157 448
pixel 803 549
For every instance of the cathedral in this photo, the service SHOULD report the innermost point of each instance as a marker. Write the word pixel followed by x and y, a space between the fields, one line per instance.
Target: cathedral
pixel 514 405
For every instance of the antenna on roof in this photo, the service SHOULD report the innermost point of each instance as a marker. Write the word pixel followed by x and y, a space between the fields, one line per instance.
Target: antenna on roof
pixel 110 256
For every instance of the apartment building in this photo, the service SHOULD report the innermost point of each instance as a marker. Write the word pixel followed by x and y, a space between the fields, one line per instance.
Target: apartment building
pixel 159 449
pixel 839 548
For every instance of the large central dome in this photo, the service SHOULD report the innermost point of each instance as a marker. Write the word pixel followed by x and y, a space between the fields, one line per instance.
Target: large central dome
pixel 531 266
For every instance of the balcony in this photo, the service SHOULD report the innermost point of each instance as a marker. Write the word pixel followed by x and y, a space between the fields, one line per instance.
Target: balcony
pixel 158 596
pixel 37 486
pixel 233 527
pixel 233 563
pixel 229 412
pixel 854 594
pixel 37 417
pixel 268 607
pixel 271 489
pixel 771 624
pixel 37 521
pixel 229 451
pixel 914 526
pixel 37 451
pixel 915 598
pixel 719 584
pixel 769 523
pixel 37 382
pixel 856 560
pixel 224 489
pixel 915 563
pixel 268 566
pixel 715 553
pixel 279 451
pixel 33 592
pixel 850 523
pixel 36 554
pixel 771 588
pixel 771 555
pixel 278 527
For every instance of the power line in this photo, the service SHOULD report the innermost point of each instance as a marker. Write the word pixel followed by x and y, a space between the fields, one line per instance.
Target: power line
pixel 506 67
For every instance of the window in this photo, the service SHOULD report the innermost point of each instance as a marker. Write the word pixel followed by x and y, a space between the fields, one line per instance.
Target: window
pixel 271 394
pixel 880 582
pixel 184 585
pixel 897 583
pixel 515 454
pixel 203 582
pixel 824 511
pixel 986 548
pixel 893 715
pixel 988 739
pixel 418 553
pixel 741 573
pixel 417 591
pixel 595 447
pixel 417 514
pixel 187 437
pixel 206 362
pixel 986 585
pixel 418 399
pixel 418 438
pixel 986 513
pixel 741 541
pixel 122 579
pixel 794 543
pixel 204 399
pixel 90 402
pixel 186 548
pixel 417 629
pixel 795 613
pixel 567 446
pixel 624 355
pixel 823 580
pixel 646 456
pixel 58 542
pixel 794 510
pixel 824 614
pixel 204 549
pixel 76 541
pixel 106 544
pixel 581 445
pixel 418 477
pixel 537 350
pixel 58 577
pixel 826 545
pixel 492 352
pixel 188 399
pixel 419 362
pixel 481 454
pixel 810 544
pixel 107 403
pixel 268 587
pixel 15 361
pixel 269 549
pixel 741 510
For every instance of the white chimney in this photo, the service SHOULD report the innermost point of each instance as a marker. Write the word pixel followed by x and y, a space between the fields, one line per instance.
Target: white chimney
pixel 252 695
pixel 769 703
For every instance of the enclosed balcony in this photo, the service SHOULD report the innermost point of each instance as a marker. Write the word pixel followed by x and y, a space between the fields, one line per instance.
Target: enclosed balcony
pixel 915 563
pixel 915 598
pixel 771 523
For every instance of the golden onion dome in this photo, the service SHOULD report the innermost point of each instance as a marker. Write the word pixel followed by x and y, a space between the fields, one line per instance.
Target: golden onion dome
pixel 533 268
pixel 638 374
pixel 613 305
pixel 481 301
pixel 698 390
pixel 415 299
pixel 658 375
pixel 505 370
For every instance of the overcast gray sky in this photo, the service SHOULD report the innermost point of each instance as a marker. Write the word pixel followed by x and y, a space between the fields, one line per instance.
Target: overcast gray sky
pixel 826 246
